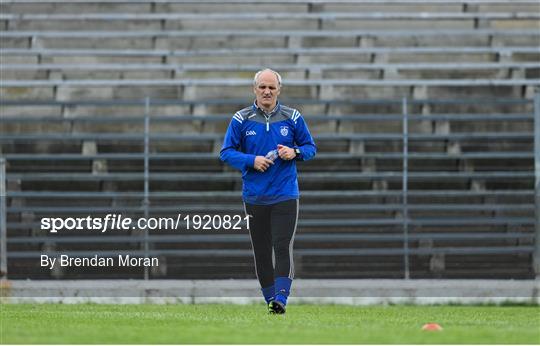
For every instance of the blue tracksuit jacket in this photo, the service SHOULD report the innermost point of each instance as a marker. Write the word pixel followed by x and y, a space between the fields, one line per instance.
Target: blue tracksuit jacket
pixel 252 133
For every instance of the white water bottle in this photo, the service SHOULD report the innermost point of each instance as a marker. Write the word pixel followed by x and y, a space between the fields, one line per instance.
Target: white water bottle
pixel 272 155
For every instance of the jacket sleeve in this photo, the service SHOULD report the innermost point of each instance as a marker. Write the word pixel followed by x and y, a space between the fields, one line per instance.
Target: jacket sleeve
pixel 303 140
pixel 231 152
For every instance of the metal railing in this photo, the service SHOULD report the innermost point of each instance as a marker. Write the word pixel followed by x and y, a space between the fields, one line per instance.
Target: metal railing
pixel 3 228
pixel 536 256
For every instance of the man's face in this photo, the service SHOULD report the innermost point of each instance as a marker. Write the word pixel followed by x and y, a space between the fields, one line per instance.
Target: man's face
pixel 267 90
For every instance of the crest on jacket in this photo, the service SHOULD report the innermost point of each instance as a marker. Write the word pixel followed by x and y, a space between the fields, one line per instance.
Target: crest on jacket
pixel 284 130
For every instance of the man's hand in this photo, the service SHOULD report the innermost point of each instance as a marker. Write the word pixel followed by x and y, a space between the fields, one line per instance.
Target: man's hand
pixel 261 163
pixel 286 153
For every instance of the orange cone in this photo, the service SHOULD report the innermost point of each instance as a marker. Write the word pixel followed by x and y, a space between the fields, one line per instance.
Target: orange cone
pixel 432 327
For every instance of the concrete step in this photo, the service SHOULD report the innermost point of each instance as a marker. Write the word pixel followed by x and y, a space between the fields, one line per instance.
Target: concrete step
pixel 254 7
pixel 72 25
pixel 224 41
pixel 92 43
pixel 75 8
pixel 504 7
pixel 396 24
pixel 285 23
pixel 328 6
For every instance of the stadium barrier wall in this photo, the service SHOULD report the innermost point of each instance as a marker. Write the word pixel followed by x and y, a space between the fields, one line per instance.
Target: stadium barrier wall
pixel 349 292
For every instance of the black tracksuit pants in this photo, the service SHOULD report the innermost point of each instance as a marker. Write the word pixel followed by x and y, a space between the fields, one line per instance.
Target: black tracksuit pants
pixel 272 230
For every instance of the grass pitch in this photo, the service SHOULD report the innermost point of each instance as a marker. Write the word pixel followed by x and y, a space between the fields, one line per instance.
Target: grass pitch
pixel 225 324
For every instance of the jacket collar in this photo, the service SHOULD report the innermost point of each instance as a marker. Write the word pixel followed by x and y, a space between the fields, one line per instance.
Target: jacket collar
pixel 256 108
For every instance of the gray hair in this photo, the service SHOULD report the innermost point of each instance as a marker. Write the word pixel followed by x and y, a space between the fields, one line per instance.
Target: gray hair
pixel 258 74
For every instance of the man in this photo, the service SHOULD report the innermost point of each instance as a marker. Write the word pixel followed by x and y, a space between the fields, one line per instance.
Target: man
pixel 264 141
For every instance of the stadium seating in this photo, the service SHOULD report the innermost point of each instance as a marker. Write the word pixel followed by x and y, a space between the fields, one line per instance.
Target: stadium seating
pixel 78 79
